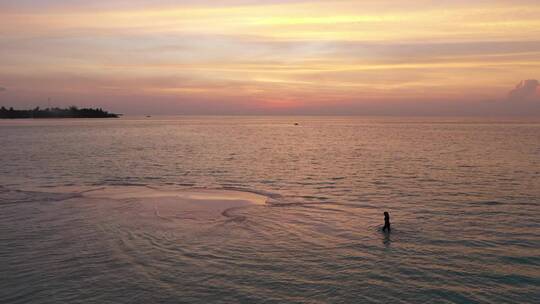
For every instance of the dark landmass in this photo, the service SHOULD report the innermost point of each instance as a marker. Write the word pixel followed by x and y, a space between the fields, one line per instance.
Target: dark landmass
pixel 71 112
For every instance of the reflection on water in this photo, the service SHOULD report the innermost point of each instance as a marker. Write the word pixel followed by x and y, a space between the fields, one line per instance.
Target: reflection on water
pixel 90 211
pixel 386 239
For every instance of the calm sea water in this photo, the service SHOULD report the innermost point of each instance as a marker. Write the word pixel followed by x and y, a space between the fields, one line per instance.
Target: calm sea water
pixel 463 194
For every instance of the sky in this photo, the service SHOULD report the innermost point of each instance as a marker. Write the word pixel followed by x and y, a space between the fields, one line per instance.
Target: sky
pixel 377 57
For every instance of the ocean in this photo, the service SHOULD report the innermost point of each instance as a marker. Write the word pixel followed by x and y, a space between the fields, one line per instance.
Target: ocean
pixel 261 210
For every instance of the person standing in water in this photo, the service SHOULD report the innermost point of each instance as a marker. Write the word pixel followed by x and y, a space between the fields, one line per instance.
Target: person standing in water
pixel 386 222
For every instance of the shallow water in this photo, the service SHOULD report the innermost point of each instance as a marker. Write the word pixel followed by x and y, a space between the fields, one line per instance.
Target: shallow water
pixel 463 195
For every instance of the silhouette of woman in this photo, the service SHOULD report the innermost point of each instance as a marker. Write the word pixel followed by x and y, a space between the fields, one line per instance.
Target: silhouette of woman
pixel 386 222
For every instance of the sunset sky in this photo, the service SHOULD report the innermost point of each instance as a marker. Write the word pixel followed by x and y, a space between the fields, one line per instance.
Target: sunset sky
pixel 272 57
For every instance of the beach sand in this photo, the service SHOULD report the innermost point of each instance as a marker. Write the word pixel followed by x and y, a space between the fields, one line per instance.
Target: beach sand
pixel 163 202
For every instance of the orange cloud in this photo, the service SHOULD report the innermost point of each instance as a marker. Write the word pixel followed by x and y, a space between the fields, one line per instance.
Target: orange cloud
pixel 284 54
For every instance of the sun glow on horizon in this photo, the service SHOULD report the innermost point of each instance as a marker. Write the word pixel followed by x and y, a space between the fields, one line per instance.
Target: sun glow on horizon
pixel 251 56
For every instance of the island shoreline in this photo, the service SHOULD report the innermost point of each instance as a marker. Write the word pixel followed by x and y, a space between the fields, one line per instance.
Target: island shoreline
pixel 71 112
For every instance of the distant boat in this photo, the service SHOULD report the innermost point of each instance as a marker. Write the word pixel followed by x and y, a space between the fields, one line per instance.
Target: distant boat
pixel 296 124
pixel 148 116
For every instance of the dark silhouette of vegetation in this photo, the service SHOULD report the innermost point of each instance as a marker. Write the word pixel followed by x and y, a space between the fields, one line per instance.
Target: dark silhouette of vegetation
pixel 71 112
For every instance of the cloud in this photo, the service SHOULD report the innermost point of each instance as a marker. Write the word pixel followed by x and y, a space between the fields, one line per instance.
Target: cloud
pixel 526 90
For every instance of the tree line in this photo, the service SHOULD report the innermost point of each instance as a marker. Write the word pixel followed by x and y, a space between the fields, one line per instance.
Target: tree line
pixel 71 112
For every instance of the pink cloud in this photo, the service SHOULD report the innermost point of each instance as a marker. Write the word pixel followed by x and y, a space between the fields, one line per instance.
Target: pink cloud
pixel 526 90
